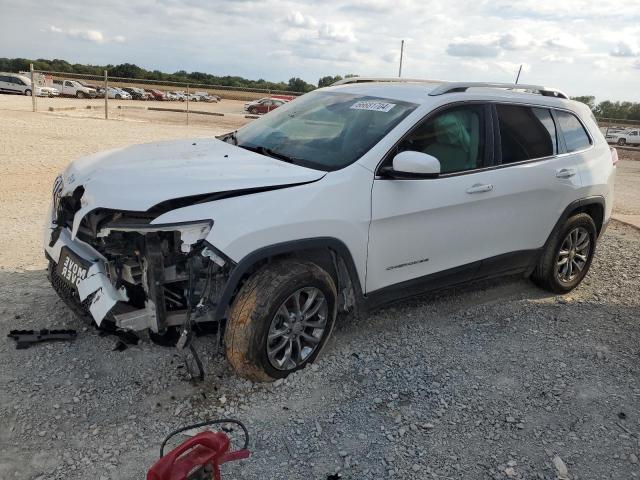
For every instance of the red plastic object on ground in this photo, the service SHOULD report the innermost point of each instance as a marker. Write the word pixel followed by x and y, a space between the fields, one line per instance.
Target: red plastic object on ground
pixel 198 458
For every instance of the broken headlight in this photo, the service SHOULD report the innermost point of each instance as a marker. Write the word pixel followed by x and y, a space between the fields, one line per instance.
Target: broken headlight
pixel 190 232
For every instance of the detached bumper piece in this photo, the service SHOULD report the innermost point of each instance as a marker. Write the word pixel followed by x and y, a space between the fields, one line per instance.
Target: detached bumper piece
pixel 24 338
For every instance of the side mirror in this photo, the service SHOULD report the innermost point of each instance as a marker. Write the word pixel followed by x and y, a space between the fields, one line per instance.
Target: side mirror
pixel 411 164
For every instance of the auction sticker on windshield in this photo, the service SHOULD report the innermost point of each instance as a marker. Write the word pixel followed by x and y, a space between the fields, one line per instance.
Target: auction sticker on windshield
pixel 373 106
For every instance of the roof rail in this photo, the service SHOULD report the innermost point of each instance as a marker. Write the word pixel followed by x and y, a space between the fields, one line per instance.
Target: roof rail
pixel 345 81
pixel 452 87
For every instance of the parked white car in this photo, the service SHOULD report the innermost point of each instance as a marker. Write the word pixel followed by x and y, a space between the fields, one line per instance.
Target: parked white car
pixel 15 83
pixel 47 92
pixel 630 136
pixel 73 88
pixel 347 198
pixel 115 93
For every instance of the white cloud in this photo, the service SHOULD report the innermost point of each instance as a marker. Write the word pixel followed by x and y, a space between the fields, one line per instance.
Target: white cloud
pixel 517 40
pixel 557 58
pixel 90 35
pixel 565 41
pixel 626 49
pixel 297 19
pixel 337 32
pixel 484 46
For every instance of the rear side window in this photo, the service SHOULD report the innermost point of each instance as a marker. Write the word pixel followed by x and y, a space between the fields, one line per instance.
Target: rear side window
pixel 575 136
pixel 526 133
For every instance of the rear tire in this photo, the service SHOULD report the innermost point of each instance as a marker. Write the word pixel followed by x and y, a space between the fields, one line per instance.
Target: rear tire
pixel 280 320
pixel 622 141
pixel 567 256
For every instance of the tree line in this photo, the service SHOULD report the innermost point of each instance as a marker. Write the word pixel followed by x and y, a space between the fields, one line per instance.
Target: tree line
pixel 609 109
pixel 129 70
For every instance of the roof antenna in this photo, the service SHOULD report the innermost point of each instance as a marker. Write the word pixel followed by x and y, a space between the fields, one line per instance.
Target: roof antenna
pixel 518 76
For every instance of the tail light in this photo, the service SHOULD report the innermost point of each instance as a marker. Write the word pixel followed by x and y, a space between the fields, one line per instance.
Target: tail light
pixel 614 156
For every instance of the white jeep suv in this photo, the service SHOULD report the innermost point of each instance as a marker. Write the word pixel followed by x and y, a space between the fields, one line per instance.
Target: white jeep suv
pixel 344 199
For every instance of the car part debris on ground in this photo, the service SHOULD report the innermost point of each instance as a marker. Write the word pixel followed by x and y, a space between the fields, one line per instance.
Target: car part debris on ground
pixel 199 457
pixel 24 338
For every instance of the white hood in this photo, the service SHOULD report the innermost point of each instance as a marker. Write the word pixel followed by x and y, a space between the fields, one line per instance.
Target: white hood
pixel 138 177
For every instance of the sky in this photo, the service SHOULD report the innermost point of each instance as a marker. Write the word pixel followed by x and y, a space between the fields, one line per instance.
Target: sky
pixel 583 47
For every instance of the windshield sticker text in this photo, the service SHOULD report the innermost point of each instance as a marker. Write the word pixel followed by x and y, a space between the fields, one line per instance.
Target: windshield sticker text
pixel 373 106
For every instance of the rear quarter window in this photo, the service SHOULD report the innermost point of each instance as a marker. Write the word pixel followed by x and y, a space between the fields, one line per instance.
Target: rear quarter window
pixel 575 136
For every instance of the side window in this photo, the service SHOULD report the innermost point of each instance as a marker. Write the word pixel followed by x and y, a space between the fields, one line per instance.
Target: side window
pixel 17 81
pixel 68 84
pixel 455 137
pixel 526 133
pixel 634 133
pixel 575 136
pixel 4 78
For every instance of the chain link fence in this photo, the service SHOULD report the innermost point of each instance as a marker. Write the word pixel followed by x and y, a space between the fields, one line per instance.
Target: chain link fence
pixel 108 97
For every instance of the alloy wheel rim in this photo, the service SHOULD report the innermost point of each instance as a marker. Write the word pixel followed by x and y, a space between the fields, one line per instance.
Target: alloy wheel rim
pixel 573 255
pixel 297 328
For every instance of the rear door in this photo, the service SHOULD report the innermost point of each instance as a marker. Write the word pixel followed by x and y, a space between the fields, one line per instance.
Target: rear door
pixel 4 83
pixel 536 179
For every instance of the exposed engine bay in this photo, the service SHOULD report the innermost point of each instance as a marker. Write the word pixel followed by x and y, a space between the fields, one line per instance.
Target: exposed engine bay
pixel 146 276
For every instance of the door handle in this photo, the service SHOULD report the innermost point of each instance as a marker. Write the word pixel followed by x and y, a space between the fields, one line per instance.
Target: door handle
pixel 565 172
pixel 479 188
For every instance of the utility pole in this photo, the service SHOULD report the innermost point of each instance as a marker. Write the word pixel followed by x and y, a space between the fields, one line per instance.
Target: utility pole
pixel 33 87
pixel 401 53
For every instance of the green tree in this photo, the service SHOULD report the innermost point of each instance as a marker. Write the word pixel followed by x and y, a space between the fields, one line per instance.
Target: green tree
pixel 298 85
pixel 588 100
pixel 328 80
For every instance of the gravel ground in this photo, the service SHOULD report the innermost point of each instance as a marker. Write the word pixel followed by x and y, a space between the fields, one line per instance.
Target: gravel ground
pixel 492 381
pixel 496 380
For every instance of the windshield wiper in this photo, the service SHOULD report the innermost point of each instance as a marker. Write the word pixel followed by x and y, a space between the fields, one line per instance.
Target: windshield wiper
pixel 229 136
pixel 271 153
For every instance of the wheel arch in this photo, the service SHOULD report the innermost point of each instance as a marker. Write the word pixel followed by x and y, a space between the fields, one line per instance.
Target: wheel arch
pixel 594 206
pixel 329 253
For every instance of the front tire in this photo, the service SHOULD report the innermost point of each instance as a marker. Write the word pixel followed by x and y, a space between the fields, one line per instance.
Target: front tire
pixel 80 94
pixel 27 93
pixel 280 320
pixel 567 256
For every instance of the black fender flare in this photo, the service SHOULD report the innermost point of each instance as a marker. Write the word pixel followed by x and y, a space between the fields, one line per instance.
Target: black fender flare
pixel 575 205
pixel 293 246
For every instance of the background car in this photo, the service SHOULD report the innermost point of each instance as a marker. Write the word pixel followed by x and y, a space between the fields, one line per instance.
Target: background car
pixel 177 96
pixel 73 88
pixel 47 92
pixel 630 136
pixel 136 93
pixel 115 93
pixel 264 105
pixel 205 97
pixel 15 83
pixel 156 94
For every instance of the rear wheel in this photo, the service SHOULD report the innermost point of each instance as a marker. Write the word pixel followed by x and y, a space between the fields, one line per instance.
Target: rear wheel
pixel 622 141
pixel 280 320
pixel 568 255
pixel 253 110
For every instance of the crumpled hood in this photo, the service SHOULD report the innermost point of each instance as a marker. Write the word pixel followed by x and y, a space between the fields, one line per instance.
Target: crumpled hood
pixel 138 177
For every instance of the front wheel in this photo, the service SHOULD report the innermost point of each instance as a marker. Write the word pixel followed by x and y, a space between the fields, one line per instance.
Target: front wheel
pixel 568 255
pixel 118 97
pixel 27 93
pixel 80 94
pixel 280 320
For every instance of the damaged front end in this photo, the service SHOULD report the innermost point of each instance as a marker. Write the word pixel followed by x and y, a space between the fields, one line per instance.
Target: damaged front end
pixel 121 267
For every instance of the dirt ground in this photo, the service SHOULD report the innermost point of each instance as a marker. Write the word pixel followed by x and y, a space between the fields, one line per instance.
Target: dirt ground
pixel 490 381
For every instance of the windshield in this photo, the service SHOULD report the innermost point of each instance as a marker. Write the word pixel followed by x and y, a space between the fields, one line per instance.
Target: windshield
pixel 323 130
